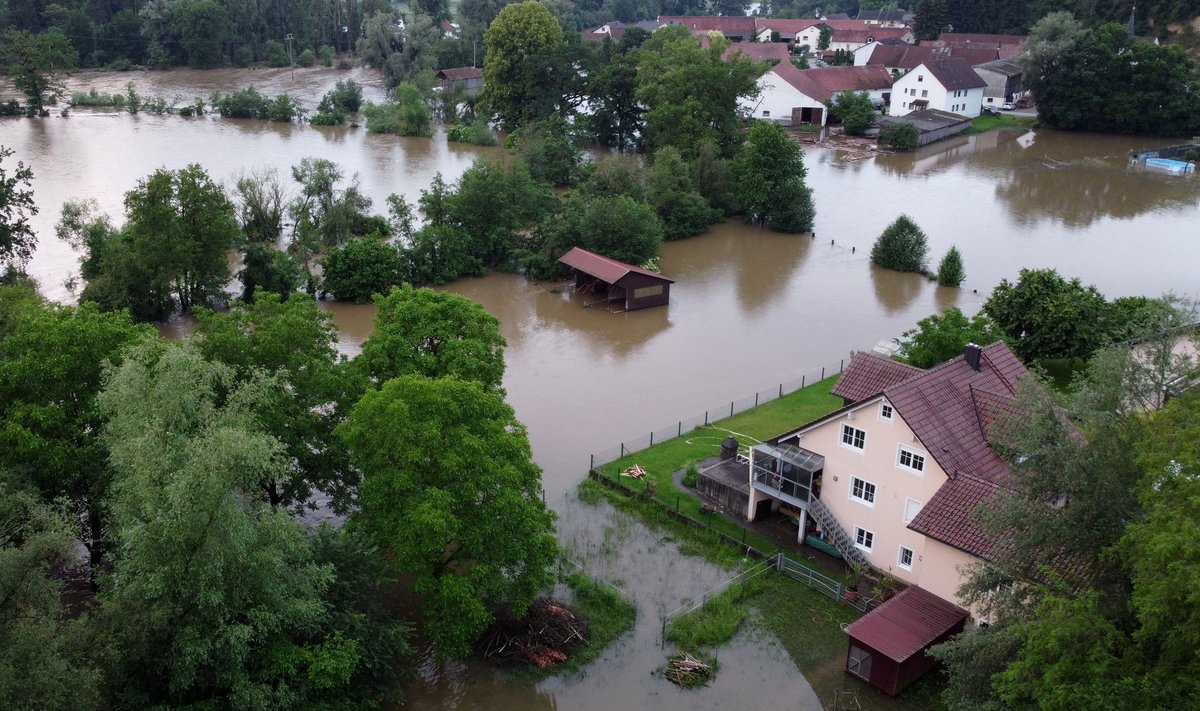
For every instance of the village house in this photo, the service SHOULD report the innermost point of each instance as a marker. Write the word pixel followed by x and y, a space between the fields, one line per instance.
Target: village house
pixel 900 58
pixel 1003 79
pixel 468 78
pixel 851 40
pixel 893 477
pixel 734 28
pixel 945 84
pixel 1006 46
pixel 756 51
pixel 798 32
pixel 791 96
pixel 886 18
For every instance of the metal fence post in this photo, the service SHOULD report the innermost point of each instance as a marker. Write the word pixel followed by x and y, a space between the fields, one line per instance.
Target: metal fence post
pixel 592 463
pixel 781 390
pixel 756 399
pixel 731 409
pixel 679 433
pixel 706 417
pixel 651 439
pixel 622 449
pixel 802 377
pixel 822 372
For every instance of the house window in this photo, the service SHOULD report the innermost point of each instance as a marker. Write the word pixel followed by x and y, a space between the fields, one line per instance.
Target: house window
pixel 910 459
pixel 766 114
pixel 912 507
pixel 920 77
pixel 858 662
pixel 648 291
pixel 853 437
pixel 885 412
pixel 924 93
pixel 864 491
pixel 905 559
pixel 864 539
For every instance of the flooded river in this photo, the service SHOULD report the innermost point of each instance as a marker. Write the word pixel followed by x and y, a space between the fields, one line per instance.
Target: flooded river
pixel 750 309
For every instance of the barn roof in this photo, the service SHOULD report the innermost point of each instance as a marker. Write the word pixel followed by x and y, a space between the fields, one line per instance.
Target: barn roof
pixel 726 25
pixel 603 268
pixel 869 374
pixel 906 624
pixel 822 84
pixel 460 73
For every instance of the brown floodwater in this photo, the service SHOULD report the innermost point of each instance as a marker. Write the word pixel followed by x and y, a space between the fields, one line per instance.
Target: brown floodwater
pixel 750 309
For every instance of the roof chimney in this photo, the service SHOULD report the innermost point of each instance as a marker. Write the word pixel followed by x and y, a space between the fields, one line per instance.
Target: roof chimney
pixel 972 356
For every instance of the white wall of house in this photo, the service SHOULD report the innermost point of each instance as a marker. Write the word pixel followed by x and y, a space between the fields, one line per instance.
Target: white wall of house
pixel 863 53
pixel 919 84
pixel 776 99
pixel 810 36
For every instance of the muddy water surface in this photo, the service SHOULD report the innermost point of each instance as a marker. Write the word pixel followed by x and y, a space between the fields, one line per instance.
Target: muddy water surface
pixel 750 309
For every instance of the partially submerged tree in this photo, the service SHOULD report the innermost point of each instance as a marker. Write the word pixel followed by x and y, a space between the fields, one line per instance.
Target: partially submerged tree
pixel 362 268
pixel 937 339
pixel 855 110
pixel 451 491
pixel 769 177
pixel 902 247
pixel 36 64
pixel 950 270
pixel 17 240
pixel 526 72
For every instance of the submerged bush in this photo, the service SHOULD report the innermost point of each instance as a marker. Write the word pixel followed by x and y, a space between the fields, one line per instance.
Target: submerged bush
pixel 902 247
pixel 477 133
pixel 248 103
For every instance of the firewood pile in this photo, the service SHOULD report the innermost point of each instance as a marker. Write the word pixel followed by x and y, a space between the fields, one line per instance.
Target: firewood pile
pixel 543 637
pixel 686 670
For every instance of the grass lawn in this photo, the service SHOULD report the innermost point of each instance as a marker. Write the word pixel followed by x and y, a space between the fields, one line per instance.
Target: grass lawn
pixel 984 123
pixel 750 427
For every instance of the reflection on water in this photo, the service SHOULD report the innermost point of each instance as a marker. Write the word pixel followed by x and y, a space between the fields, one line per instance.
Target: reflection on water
pixel 894 290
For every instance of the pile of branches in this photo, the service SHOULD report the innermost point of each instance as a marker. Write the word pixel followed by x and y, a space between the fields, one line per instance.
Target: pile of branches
pixel 543 637
pixel 686 670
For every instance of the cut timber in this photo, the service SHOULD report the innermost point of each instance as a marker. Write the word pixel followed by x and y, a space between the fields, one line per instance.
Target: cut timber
pixel 635 472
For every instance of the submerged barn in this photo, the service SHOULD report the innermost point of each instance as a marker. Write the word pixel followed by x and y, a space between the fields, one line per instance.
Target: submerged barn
pixel 637 288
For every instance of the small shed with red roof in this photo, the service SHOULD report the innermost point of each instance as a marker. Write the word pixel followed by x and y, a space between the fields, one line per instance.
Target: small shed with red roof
pixel 889 645
pixel 637 288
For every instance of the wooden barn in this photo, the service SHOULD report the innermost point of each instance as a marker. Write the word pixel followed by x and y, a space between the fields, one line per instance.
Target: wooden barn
pixel 635 287
pixel 888 646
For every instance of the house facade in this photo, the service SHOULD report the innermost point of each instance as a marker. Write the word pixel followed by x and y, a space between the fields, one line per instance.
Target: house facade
pixel 792 96
pixel 1003 79
pixel 949 85
pixel 893 477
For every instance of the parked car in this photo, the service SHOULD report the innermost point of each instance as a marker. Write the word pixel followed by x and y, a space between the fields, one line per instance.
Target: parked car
pixel 991 110
pixel 1008 106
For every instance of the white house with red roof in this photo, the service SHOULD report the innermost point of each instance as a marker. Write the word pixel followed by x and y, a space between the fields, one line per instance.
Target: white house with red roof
pixel 944 84
pixel 893 477
pixel 792 96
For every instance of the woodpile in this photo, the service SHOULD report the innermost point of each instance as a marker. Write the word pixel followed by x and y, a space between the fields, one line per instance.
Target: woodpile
pixel 543 637
pixel 686 670
pixel 634 472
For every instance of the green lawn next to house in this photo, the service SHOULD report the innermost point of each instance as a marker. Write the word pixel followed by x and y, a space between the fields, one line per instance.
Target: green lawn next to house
pixel 750 427
pixel 984 122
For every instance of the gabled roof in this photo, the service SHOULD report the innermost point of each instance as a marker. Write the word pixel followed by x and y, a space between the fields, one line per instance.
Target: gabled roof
pixel 954 74
pixel 906 624
pixel 603 268
pixel 869 374
pixel 823 84
pixel 726 25
pixel 908 57
pixel 758 51
pixel 981 38
pixel 460 73
pixel 949 516
pixel 1006 67
pixel 843 23
pixel 882 15
pixel 784 26
pixel 868 35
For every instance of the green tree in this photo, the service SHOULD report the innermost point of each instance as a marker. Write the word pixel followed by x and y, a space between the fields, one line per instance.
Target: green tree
pixel 473 537
pixel 17 239
pixel 414 116
pixel 295 341
pixel 548 149
pixel 683 211
pixel 260 199
pixel 42 662
pixel 51 367
pixel 204 30
pixel 436 335
pixel 616 118
pixel 617 227
pixel 493 205
pixel 937 339
pixel 525 67
pixel 932 19
pixel 823 38
pixel 326 214
pixel 902 246
pixel 901 136
pixel 691 93
pixel 769 175
pixel 1050 39
pixel 616 174
pixel 1047 316
pixel 854 110
pixel 35 64
pixel 270 270
pixel 365 266
pixel 214 597
pixel 950 270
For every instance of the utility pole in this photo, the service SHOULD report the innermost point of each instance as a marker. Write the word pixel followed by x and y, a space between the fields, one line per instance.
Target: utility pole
pixel 291 63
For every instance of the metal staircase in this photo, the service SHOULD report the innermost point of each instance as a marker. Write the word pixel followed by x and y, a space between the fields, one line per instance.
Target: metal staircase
pixel 840 539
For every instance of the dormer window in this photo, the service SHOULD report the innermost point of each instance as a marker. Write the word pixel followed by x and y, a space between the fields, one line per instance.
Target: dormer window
pixel 885 412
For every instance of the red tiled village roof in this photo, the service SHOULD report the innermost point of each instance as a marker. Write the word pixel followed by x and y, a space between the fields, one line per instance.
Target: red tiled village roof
pixel 869 374
pixel 908 57
pixel 864 36
pixel 758 51
pixel 603 268
pixel 460 73
pixel 726 25
pixel 822 84
pixel 906 624
pixel 949 516
pixel 981 38
pixel 785 27
pixel 954 73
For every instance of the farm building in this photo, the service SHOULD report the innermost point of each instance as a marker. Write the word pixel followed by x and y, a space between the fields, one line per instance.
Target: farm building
pixel 635 287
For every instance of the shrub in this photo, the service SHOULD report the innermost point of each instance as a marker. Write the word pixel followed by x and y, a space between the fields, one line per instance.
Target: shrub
pixel 901 136
pixel 248 103
pixel 157 56
pixel 243 56
pixel 950 270
pixel 365 266
pixel 11 107
pixel 854 110
pixel 478 133
pixel 92 98
pixel 284 108
pixel 327 54
pixel 690 474
pixel 902 247
pixel 306 58
pixel 276 54
pixel 346 96
pixel 120 65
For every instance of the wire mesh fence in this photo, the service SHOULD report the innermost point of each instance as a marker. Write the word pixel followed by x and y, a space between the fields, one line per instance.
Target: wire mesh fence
pixel 714 414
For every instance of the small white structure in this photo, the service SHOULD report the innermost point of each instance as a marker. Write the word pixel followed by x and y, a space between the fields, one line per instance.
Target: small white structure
pixel 949 85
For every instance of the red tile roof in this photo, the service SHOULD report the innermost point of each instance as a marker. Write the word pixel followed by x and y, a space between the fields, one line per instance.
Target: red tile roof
pixel 908 57
pixel 845 24
pixel 906 624
pixel 869 374
pixel 866 36
pixel 460 73
pixel 822 84
pixel 954 74
pixel 981 38
pixel 949 516
pixel 759 51
pixel 785 27
pixel 603 268
pixel 726 25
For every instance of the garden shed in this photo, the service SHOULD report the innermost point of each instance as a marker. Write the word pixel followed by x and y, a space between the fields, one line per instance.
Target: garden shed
pixel 635 287
pixel 889 645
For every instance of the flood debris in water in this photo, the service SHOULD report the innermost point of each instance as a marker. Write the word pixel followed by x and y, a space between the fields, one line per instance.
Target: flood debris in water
pixel 543 637
pixel 687 670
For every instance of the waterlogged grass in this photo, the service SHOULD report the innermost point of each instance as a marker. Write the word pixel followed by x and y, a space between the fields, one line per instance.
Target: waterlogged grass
pixel 984 122
pixel 750 427
pixel 717 621
pixel 609 615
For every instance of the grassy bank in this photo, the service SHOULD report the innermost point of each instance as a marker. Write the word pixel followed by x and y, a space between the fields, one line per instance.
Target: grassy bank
pixel 984 122
pixel 750 427
pixel 717 621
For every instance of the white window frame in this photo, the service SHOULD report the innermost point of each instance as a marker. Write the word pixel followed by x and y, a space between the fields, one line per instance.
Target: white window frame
pixel 912 556
pixel 849 445
pixel 907 501
pixel 883 406
pixel 863 499
pixel 901 449
pixel 862 534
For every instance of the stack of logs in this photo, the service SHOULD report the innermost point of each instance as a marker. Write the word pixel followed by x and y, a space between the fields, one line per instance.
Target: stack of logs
pixel 543 637
pixel 685 670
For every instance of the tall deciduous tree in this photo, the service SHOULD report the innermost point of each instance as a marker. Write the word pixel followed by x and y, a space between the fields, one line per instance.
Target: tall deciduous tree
pixel 669 189
pixel 769 177
pixel 450 490
pixel 937 339
pixel 434 334
pixel 1047 316
pixel 362 268
pixel 36 64
pixel 17 240
pixel 932 19
pixel 525 71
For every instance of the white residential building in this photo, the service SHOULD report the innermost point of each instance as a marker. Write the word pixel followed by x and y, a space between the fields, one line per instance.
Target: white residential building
pixel 945 84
